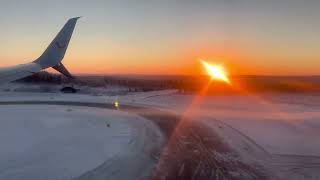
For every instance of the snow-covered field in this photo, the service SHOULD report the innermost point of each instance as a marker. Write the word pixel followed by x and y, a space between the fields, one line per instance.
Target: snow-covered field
pixel 61 142
pixel 277 124
pixel 283 129
pixel 284 126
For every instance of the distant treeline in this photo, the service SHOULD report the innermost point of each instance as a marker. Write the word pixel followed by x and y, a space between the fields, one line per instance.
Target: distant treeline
pixel 42 77
pixel 187 84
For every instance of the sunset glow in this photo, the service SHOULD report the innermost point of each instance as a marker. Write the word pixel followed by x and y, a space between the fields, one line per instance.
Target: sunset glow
pixel 123 38
pixel 216 72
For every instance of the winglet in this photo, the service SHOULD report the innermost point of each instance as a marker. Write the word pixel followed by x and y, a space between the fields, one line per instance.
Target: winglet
pixel 63 70
pixel 55 52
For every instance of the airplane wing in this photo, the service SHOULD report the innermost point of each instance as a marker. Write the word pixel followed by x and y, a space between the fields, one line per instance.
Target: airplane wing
pixel 51 57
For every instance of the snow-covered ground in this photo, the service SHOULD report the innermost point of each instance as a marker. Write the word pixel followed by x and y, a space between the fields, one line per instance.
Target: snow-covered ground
pixel 282 126
pixel 279 131
pixel 61 142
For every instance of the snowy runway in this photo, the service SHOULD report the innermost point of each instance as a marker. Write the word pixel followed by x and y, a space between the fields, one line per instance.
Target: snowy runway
pixel 67 136
pixel 64 142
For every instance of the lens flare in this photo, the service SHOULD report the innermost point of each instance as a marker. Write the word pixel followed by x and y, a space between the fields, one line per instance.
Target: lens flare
pixel 216 72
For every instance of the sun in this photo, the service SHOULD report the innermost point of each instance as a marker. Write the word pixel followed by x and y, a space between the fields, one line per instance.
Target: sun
pixel 216 72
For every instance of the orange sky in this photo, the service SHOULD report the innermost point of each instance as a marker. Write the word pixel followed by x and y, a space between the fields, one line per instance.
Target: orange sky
pixel 166 37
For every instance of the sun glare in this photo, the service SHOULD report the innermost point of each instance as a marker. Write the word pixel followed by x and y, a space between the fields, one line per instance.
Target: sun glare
pixel 216 72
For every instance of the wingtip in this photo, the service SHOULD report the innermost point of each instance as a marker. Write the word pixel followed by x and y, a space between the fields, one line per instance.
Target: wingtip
pixel 75 18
